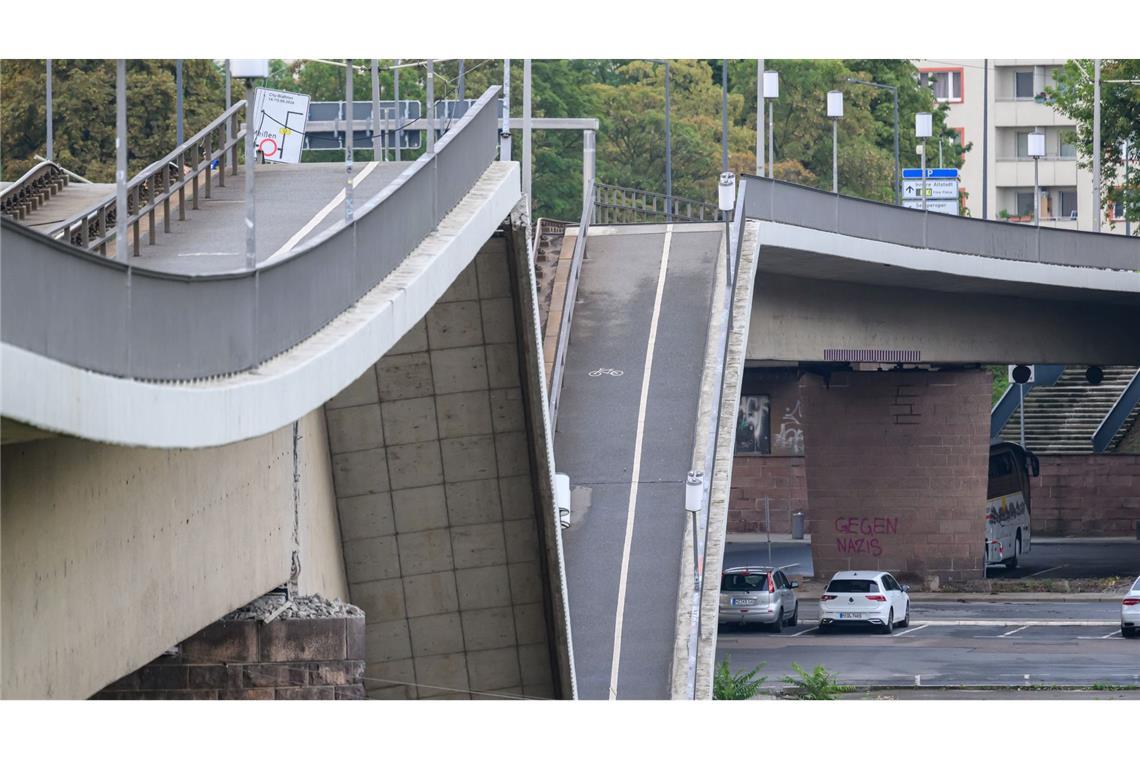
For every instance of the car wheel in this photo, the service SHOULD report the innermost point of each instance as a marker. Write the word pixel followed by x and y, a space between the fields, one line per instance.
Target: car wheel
pixel 1127 632
pixel 795 619
pixel 905 623
pixel 890 624
pixel 778 626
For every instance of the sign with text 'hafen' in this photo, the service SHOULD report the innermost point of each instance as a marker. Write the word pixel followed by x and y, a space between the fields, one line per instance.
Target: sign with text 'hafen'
pixel 279 124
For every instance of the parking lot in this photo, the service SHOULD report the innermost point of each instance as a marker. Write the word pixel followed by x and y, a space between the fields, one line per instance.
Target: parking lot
pixel 952 644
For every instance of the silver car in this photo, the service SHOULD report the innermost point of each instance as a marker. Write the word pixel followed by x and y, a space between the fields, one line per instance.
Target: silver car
pixel 758 595
pixel 1129 612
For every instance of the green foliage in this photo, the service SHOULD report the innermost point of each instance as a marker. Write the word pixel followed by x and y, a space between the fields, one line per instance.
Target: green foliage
pixel 743 685
pixel 83 93
pixel 1000 373
pixel 818 684
pixel 1119 120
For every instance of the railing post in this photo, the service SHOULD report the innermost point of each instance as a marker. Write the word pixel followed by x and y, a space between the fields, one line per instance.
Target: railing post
pixel 134 196
pixel 166 197
pixel 222 162
pixel 194 176
pixel 181 187
pixel 234 147
pixel 152 233
pixel 209 161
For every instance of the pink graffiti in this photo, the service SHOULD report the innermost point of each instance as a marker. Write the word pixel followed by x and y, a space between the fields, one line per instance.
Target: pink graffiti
pixel 859 546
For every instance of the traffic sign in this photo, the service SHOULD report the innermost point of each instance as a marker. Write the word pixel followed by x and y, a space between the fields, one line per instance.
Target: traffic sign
pixel 279 124
pixel 935 205
pixel 930 174
pixel 935 188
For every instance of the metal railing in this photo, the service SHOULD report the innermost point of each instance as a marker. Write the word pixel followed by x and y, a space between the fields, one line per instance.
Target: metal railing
pixel 121 319
pixel 614 204
pixel 1110 425
pixel 575 274
pixel 1046 375
pixel 32 190
pixel 786 203
pixel 190 165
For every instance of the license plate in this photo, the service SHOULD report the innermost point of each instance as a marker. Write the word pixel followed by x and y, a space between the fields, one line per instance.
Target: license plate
pixel 850 615
pixel 743 602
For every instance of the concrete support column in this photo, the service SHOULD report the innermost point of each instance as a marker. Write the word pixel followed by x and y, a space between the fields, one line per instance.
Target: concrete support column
pixel 897 470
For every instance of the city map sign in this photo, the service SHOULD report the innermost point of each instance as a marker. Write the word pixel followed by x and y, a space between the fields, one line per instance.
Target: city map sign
pixel 279 124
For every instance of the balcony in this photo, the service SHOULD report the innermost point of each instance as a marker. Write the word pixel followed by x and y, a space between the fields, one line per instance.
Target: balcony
pixel 1010 112
pixel 1055 171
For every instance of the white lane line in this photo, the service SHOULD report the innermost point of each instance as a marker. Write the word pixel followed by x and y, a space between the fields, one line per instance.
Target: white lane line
pixel 337 200
pixel 1015 630
pixel 1042 572
pixel 636 472
pixel 801 633
pixel 1008 623
pixel 912 629
pixel 1114 633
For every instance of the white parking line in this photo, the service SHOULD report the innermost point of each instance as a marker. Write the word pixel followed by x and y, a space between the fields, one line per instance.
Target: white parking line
pixel 912 629
pixel 1015 630
pixel 801 633
pixel 1042 572
pixel 635 474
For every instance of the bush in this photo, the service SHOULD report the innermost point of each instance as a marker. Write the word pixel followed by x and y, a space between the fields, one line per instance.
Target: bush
pixel 740 686
pixel 818 684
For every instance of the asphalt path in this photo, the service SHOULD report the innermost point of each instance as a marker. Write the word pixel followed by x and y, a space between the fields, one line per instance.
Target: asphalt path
pixel 596 439
pixel 286 199
pixel 950 644
pixel 1048 558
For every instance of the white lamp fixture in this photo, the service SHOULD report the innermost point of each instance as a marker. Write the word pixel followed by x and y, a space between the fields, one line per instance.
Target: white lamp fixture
pixel 923 125
pixel 771 84
pixel 249 68
pixel 835 104
pixel 694 491
pixel 1036 144
pixel 726 191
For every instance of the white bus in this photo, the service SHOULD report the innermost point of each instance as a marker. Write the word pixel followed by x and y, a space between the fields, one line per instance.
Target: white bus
pixel 1008 503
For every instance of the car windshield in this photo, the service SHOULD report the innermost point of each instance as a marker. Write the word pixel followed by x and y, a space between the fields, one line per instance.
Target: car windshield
pixel 852 586
pixel 742 582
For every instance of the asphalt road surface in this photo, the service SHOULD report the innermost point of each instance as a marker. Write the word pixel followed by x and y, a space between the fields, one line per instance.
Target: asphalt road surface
pixel 622 526
pixel 952 644
pixel 1067 558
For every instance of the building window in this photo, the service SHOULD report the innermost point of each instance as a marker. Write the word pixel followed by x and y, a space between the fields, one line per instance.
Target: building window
pixel 1116 210
pixel 1068 204
pixel 946 83
pixel 1023 145
pixel 1025 203
pixel 1068 148
pixel 1023 84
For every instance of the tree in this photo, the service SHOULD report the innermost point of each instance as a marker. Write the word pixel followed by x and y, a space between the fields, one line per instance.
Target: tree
pixel 1119 121
pixel 83 111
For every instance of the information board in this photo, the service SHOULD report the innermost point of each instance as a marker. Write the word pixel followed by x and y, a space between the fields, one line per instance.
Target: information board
pixel 279 124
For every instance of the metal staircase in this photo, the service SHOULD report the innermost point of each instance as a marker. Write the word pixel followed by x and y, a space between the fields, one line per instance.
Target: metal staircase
pixel 1061 418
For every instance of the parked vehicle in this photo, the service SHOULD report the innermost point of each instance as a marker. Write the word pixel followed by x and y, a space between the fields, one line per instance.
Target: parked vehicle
pixel 1008 504
pixel 864 597
pixel 758 595
pixel 1130 612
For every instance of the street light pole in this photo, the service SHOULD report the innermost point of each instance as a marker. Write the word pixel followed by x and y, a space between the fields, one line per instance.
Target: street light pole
pixel 122 249
pixel 430 98
pixel 923 128
pixel 760 118
pixel 771 92
pixel 724 115
pixel 377 153
pixel 50 137
pixel 399 116
pixel 1036 148
pixel 505 135
pixel 1127 205
pixel 668 148
pixel 985 138
pixel 178 97
pixel 1096 144
pixel 835 113
pixel 350 117
pixel 249 69
pixel 527 146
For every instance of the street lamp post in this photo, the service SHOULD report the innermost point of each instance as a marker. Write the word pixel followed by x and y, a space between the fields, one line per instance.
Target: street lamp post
pixel 760 117
pixel 178 98
pixel 350 118
pixel 668 149
pixel 895 95
pixel 726 192
pixel 249 69
pixel 724 115
pixel 505 135
pixel 694 498
pixel 771 92
pixel 399 117
pixel 1036 150
pixel 835 113
pixel 1096 145
pixel 48 105
pixel 923 128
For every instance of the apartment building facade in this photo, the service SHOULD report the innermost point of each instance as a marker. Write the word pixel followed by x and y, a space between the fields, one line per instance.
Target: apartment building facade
pixel 1017 106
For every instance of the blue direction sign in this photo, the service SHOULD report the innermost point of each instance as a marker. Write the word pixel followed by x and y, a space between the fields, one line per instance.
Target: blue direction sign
pixel 930 173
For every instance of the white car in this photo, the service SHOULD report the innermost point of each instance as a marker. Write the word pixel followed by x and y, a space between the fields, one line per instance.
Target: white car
pixel 864 597
pixel 1130 612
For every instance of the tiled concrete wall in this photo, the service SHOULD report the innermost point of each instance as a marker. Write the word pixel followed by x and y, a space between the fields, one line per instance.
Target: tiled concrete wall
pixel 437 509
pixel 897 471
pixel 1087 495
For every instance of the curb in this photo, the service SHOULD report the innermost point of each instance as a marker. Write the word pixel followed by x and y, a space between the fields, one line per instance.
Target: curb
pixel 1014 596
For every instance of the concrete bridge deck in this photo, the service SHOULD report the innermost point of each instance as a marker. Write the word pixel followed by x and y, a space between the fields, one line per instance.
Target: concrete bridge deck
pixel 625 438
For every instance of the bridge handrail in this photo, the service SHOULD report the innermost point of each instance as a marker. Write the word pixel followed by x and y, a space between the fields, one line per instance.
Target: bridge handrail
pixel 787 203
pixel 575 274
pixel 620 205
pixel 45 177
pixel 120 319
pixel 1046 375
pixel 93 228
pixel 1114 419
